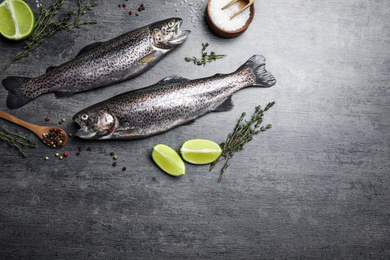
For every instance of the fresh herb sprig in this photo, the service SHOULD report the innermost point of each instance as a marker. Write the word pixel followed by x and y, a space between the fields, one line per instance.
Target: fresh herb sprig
pixel 205 57
pixel 17 141
pixel 45 26
pixel 242 134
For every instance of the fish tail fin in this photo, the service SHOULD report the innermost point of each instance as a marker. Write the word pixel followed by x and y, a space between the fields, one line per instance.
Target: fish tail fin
pixel 262 77
pixel 16 97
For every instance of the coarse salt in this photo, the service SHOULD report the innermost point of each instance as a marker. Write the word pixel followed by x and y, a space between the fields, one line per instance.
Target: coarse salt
pixel 222 17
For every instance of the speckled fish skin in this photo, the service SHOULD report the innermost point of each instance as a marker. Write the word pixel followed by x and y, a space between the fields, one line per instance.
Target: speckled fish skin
pixel 101 64
pixel 169 103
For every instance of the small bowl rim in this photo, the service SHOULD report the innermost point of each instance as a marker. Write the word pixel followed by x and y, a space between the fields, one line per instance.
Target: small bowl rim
pixel 226 33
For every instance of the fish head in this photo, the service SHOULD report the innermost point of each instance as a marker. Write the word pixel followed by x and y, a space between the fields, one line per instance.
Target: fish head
pixel 95 123
pixel 166 34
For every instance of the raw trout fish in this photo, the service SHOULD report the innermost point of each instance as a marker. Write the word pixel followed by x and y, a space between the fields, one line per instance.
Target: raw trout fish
pixel 101 64
pixel 169 103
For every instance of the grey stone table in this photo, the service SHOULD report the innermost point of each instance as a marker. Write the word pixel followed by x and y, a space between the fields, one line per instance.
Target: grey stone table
pixel 315 186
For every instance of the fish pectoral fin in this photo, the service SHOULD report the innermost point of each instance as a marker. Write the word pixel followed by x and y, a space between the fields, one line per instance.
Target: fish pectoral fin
pixel 89 47
pixel 149 58
pixel 225 106
pixel 172 79
pixel 60 94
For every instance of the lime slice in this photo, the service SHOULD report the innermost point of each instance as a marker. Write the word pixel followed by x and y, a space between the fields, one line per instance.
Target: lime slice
pixel 168 160
pixel 200 151
pixel 16 19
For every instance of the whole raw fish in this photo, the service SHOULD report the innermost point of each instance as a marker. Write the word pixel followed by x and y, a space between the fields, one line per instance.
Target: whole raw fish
pixel 101 64
pixel 169 103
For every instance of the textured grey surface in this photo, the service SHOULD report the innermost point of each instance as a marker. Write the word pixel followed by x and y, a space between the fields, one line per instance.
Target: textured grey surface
pixel 315 186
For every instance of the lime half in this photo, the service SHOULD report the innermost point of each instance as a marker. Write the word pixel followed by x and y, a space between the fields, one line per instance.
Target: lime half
pixel 16 19
pixel 168 160
pixel 200 151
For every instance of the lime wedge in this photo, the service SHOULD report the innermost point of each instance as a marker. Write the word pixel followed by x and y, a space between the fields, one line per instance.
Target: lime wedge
pixel 16 19
pixel 200 151
pixel 168 160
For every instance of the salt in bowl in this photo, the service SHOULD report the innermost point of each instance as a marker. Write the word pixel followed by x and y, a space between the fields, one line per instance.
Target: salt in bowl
pixel 220 22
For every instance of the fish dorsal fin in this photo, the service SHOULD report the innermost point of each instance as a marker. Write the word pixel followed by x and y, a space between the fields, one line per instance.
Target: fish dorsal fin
pixel 225 106
pixel 89 47
pixel 50 68
pixel 172 79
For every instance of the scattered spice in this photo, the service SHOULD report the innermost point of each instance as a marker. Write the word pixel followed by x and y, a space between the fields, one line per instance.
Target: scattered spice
pixel 66 154
pixel 137 13
pixel 115 157
pixel 63 120
pixel 16 140
pixel 46 158
pixel 119 5
pixel 80 148
pixel 114 164
pixel 205 56
pixel 130 13
pixel 112 153
pixel 47 118
pixel 57 154
pixel 78 153
pixel 124 5
pixel 89 149
pixel 61 157
pixel 242 134
pixel 124 169
pixel 54 138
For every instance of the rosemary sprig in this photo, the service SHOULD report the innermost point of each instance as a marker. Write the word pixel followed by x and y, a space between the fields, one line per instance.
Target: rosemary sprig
pixel 16 140
pixel 45 27
pixel 242 134
pixel 205 56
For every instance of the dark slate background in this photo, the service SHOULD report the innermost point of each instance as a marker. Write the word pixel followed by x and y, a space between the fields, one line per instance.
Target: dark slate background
pixel 315 186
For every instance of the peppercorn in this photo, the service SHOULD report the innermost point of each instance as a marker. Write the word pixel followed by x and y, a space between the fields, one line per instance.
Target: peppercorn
pixel 112 153
pixel 124 5
pixel 137 13
pixel 140 8
pixel 124 169
pixel 114 164
pixel 66 154
pixel 46 158
pixel 78 153
pixel 80 148
pixel 115 157
pixel 61 157
pixel 47 118
pixel 130 13
pixel 89 149
pixel 57 154
pixel 119 5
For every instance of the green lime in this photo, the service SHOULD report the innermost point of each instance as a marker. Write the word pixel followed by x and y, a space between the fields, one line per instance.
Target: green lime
pixel 168 160
pixel 200 151
pixel 16 19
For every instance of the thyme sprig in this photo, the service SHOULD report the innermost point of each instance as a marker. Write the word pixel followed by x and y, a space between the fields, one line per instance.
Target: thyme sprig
pixel 17 141
pixel 45 27
pixel 242 134
pixel 205 57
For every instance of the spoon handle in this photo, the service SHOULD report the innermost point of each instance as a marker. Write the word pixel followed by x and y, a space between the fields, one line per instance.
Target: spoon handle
pixel 17 121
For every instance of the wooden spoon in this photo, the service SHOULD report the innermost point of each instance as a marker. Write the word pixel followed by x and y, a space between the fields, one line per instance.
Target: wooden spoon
pixel 241 8
pixel 52 136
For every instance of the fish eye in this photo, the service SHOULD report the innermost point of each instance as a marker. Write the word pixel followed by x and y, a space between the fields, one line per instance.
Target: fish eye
pixel 171 23
pixel 84 117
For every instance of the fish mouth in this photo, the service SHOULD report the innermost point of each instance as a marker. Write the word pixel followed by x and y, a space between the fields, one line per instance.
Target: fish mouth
pixel 179 36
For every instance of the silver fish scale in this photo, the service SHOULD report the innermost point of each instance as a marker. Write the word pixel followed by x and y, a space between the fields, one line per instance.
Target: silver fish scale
pixel 112 61
pixel 165 105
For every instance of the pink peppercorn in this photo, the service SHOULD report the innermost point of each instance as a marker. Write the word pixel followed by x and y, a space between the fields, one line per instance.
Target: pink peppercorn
pixel 66 154
pixel 47 118
pixel 124 5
